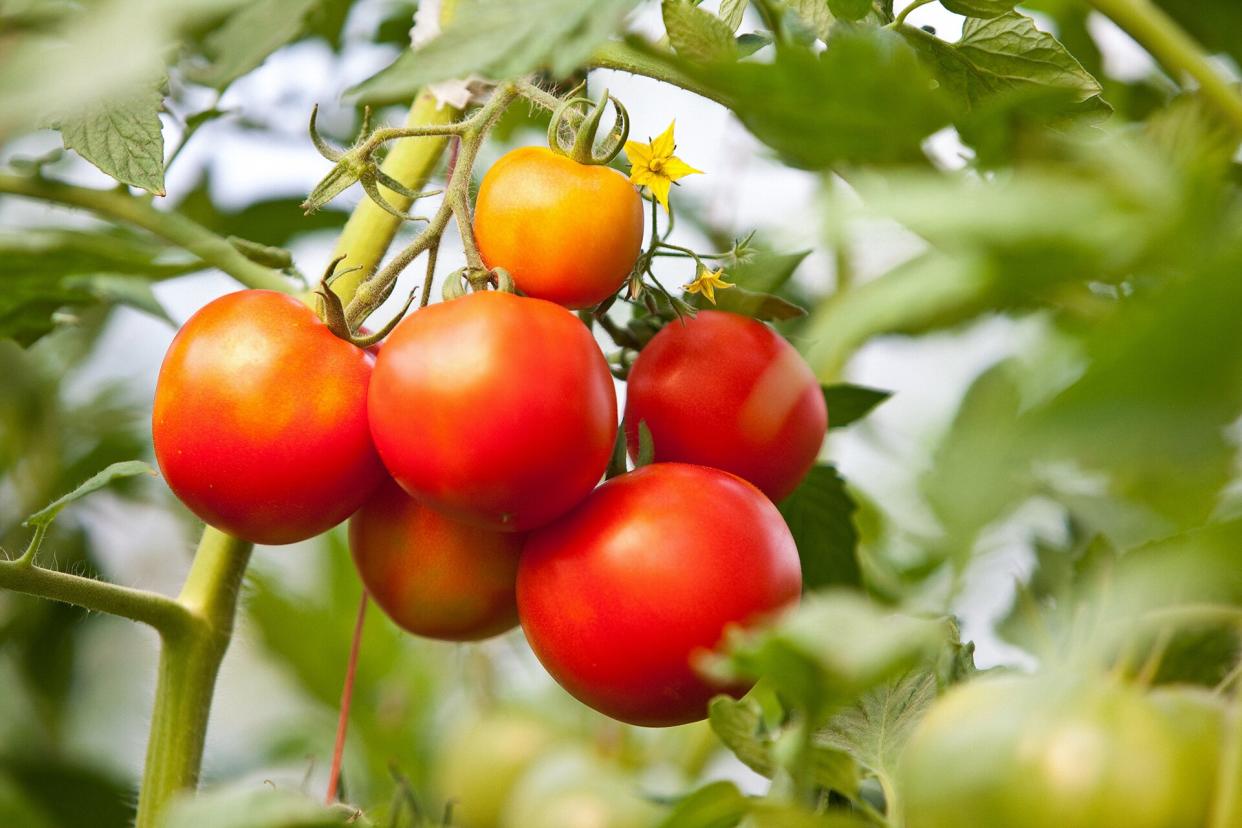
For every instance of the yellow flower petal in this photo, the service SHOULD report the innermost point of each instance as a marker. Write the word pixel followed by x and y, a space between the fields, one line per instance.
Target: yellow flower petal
pixel 641 176
pixel 638 153
pixel 663 145
pixel 659 188
pixel 674 168
pixel 707 282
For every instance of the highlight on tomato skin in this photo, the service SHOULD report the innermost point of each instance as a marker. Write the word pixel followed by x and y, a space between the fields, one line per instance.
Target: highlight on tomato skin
pixel 726 391
pixel 619 597
pixel 496 409
pixel 431 574
pixel 567 232
pixel 260 419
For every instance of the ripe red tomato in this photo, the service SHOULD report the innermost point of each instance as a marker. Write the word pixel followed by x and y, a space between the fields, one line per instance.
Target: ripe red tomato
pixel 725 391
pixel 435 576
pixel 618 596
pixel 494 408
pixel 567 232
pixel 260 421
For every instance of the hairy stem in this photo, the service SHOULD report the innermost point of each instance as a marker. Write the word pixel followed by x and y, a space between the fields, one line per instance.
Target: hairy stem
pixel 189 663
pixel 615 54
pixel 160 612
pixel 120 206
pixel 370 229
pixel 1176 50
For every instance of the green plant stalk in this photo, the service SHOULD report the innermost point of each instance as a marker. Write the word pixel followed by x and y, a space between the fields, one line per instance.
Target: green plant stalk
pixel 370 229
pixel 1177 51
pixel 189 663
pixel 616 54
pixel 120 206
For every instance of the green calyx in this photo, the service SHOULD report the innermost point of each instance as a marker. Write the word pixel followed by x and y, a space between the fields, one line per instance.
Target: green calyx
pixel 463 280
pixel 575 123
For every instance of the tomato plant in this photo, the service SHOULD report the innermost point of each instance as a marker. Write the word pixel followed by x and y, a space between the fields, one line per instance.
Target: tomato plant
pixel 493 444
pixel 1008 598
pixel 765 409
pixel 433 575
pixel 260 419
pixel 618 597
pixel 567 232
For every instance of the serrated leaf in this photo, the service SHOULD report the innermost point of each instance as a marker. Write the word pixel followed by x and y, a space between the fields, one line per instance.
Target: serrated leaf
pixel 258 806
pixel 877 727
pixel 983 9
pixel 817 110
pixel 248 37
pixel 732 12
pixel 849 403
pixel 849 9
pixel 815 14
pixel 697 34
pixel 820 515
pixel 716 805
pixel 122 136
pixel 500 39
pixel 763 306
pixel 738 725
pixel 117 471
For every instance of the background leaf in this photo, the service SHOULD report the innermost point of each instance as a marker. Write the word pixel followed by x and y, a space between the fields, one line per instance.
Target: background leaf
pixel 696 33
pixel 122 136
pixel 847 404
pixel 820 514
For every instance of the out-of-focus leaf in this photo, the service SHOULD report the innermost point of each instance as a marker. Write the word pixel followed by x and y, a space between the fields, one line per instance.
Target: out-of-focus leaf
pixel 272 222
pixel 815 14
pixel 766 271
pixel 740 728
pixel 63 792
pixel 732 11
pixel 122 136
pixel 130 468
pixel 819 672
pixel 500 39
pixel 852 10
pixel 848 404
pixel 1214 23
pixel 696 33
pixel 247 38
pixel 979 8
pixel 716 805
pixel 820 110
pixel 259 806
pixel 820 514
pixel 766 307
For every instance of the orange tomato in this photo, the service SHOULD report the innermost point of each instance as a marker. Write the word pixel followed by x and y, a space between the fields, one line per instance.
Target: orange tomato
pixel 567 232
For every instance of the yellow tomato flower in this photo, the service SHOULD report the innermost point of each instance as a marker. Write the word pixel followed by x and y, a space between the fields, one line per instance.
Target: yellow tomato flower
pixel 707 283
pixel 655 167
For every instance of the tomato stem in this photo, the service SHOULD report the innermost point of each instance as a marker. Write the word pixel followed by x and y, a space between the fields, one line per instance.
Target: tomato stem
pixel 347 695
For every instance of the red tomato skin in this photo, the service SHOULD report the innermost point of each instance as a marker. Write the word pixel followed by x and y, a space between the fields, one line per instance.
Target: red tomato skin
pixel 260 420
pixel 567 232
pixel 496 409
pixel 726 391
pixel 434 576
pixel 618 596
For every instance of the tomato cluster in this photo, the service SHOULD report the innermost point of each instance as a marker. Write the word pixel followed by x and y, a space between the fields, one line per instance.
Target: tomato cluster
pixel 470 449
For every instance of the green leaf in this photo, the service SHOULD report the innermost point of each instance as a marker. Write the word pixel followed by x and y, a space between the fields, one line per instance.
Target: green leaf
pixel 766 271
pixel 716 805
pixel 500 39
pixel 122 136
pixel 819 672
pixel 849 9
pixel 762 306
pixel 113 288
pixel 980 8
pixel 258 806
pixel 732 11
pixel 820 514
pixel 866 98
pixel 877 727
pixel 697 34
pixel 248 37
pixel 848 404
pixel 815 14
pixel 117 471
pixel 646 445
pixel 739 726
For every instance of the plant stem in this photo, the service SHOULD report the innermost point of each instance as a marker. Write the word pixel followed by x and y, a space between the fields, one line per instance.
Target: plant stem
pixel 370 229
pixel 347 695
pixel 160 612
pixel 616 54
pixel 189 663
pixel 120 206
pixel 901 17
pixel 1176 50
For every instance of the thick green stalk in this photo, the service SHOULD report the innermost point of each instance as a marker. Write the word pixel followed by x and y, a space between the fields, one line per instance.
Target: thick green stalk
pixel 1176 50
pixel 121 206
pixel 616 54
pixel 189 663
